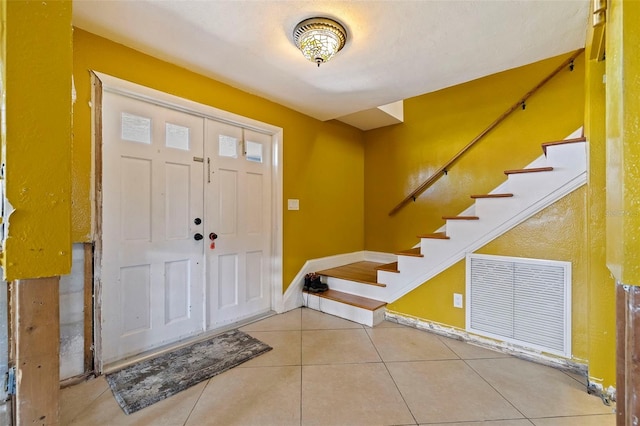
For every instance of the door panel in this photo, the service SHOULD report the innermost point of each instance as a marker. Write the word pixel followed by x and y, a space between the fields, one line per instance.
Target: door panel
pixel 238 210
pixel 227 274
pixel 152 268
pixel 135 299
pixel 254 275
pixel 135 198
pixel 177 189
pixel 228 203
pixel 176 292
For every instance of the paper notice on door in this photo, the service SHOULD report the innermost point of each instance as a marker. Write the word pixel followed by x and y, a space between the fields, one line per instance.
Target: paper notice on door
pixel 228 146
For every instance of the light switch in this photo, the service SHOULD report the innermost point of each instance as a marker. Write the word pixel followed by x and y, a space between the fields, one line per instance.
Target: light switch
pixel 293 204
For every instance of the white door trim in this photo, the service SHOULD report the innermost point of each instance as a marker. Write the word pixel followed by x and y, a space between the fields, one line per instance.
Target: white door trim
pixel 156 97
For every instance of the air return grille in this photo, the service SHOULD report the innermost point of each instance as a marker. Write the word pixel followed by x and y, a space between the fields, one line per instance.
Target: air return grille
pixel 522 301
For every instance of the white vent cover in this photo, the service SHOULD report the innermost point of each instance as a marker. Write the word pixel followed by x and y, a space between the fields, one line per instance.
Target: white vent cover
pixel 522 301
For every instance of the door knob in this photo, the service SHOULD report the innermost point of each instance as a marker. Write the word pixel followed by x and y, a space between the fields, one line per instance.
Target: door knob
pixel 198 237
pixel 197 221
pixel 213 236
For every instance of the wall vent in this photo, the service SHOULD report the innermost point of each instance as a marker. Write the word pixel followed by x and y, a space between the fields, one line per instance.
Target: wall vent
pixel 522 301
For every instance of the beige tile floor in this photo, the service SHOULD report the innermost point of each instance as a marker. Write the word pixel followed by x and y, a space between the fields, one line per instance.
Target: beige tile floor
pixel 325 370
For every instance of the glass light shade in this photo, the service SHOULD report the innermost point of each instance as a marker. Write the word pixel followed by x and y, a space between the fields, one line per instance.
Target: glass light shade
pixel 319 39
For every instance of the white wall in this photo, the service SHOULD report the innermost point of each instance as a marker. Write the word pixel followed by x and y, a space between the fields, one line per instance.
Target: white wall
pixel 72 317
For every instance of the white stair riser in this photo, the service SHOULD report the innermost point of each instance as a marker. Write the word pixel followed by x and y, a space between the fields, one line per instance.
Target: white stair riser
pixel 570 155
pixel 541 161
pixel 465 229
pixel 397 280
pixel 429 246
pixel 488 207
pixel 364 290
pixel 349 312
pixel 406 263
pixel 391 279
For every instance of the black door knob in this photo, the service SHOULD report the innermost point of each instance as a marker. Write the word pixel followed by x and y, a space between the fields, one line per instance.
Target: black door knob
pixel 197 221
pixel 213 236
pixel 198 237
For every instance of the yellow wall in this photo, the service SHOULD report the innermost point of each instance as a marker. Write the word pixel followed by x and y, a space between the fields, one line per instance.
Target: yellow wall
pixel 37 143
pixel 623 140
pixel 439 124
pixel 602 308
pixel 556 233
pixel 572 229
pixel 323 161
pixel 3 75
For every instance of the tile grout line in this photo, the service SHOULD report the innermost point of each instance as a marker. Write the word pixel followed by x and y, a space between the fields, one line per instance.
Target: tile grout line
pixel 483 379
pixel 585 382
pixel 301 396
pixel 92 401
pixel 196 403
pixel 391 377
pixel 497 391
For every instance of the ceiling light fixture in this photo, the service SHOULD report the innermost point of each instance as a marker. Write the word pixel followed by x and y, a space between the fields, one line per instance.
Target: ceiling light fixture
pixel 319 38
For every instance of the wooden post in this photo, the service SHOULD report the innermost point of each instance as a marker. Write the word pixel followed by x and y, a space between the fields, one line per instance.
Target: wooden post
pixel 36 332
pixel 628 354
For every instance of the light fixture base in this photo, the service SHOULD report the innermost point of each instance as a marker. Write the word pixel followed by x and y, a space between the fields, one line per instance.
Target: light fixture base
pixel 319 39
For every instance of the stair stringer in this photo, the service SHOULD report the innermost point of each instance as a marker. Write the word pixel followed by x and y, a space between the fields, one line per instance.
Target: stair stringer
pixel 532 193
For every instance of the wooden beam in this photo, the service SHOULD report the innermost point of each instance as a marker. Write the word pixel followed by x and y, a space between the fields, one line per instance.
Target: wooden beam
pixel 35 314
pixel 621 300
pixel 628 354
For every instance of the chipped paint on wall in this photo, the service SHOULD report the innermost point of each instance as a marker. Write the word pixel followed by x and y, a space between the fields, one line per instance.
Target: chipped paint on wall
pixel 37 143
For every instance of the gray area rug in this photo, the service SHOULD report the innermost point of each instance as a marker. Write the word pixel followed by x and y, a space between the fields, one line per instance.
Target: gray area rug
pixel 145 383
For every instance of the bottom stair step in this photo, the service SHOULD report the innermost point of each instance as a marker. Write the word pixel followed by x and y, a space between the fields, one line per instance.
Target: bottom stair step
pixel 348 306
pixel 351 299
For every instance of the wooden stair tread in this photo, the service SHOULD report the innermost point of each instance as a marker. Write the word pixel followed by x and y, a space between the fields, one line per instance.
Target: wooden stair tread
pixel 435 236
pixel 460 217
pixel 411 252
pixel 506 195
pixel 532 170
pixel 352 299
pixel 562 142
pixel 389 267
pixel 361 272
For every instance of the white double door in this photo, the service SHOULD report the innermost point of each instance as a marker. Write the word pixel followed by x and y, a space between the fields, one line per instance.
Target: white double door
pixel 186 225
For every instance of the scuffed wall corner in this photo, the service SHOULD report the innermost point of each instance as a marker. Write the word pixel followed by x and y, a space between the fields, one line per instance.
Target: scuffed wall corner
pixel 5 216
pixel 607 395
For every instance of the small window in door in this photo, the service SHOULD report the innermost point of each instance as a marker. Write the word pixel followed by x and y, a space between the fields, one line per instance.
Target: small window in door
pixel 135 128
pixel 227 146
pixel 177 136
pixel 254 151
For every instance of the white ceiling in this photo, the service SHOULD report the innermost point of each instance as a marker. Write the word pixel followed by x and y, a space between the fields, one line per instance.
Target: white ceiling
pixel 396 49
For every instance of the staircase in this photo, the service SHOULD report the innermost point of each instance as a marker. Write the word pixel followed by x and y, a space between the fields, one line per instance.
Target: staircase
pixel 360 291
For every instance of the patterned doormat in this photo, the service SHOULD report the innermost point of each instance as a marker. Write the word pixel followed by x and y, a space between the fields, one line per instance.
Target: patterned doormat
pixel 152 380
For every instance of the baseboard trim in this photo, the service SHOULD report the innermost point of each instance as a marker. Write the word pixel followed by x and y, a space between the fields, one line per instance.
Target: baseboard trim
pixel 380 257
pixel 568 365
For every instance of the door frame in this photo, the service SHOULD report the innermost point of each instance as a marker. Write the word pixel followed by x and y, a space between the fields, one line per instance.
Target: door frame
pixel 103 82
